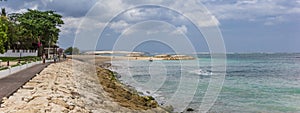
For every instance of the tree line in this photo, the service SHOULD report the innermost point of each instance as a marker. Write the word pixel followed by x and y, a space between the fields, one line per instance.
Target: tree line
pixel 32 30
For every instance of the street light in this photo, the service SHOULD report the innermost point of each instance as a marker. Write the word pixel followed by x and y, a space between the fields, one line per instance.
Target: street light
pixel 49 48
pixel 18 45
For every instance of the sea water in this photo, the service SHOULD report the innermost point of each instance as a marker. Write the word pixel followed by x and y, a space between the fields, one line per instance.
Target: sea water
pixel 254 82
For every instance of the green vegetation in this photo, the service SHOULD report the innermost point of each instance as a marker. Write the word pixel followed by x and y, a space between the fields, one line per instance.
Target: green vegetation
pixel 72 51
pixel 23 60
pixel 27 58
pixel 125 96
pixel 3 35
pixel 4 68
pixel 32 30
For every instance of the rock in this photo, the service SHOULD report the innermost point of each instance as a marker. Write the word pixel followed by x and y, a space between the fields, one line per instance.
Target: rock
pixel 116 74
pixel 190 109
pixel 63 90
pixel 71 107
pixel 59 88
pixel 60 102
pixel 28 87
pixel 148 92
pixel 49 98
pixel 75 94
pixel 148 98
pixel 30 110
pixel 169 108
pixel 4 98
pixel 28 99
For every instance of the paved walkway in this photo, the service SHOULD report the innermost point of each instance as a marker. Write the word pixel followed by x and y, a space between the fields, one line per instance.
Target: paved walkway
pixel 12 83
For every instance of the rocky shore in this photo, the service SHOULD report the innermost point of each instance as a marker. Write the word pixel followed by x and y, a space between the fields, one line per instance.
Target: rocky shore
pixel 74 86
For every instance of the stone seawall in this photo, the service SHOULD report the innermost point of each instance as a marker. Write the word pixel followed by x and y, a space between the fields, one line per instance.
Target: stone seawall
pixel 69 86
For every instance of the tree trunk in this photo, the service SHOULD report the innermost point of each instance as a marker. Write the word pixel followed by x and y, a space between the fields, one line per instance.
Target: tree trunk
pixel 41 51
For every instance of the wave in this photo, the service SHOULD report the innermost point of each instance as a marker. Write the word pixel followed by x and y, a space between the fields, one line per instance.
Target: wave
pixel 201 72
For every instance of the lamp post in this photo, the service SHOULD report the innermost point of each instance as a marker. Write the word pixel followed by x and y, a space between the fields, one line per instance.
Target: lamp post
pixel 48 50
pixel 18 45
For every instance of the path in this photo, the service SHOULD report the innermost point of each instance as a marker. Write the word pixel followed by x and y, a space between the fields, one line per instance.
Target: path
pixel 12 83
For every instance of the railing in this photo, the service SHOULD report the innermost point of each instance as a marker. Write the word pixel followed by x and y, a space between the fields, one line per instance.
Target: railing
pixel 18 53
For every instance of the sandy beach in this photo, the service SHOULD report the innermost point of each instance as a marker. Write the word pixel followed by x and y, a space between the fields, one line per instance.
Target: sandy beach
pixel 73 86
pixel 101 58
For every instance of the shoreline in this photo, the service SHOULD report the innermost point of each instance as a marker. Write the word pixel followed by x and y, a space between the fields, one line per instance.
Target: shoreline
pixel 101 59
pixel 59 88
pixel 124 94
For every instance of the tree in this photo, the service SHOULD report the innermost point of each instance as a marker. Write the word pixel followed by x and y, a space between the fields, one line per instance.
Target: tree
pixel 3 12
pixel 17 37
pixel 3 36
pixel 41 26
pixel 14 30
pixel 72 51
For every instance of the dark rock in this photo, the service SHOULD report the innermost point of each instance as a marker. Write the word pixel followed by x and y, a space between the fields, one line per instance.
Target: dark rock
pixel 148 92
pixel 140 93
pixel 190 109
pixel 117 75
pixel 148 98
pixel 169 108
pixel 76 94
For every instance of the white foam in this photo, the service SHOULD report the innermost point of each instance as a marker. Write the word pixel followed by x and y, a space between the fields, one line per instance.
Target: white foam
pixel 201 72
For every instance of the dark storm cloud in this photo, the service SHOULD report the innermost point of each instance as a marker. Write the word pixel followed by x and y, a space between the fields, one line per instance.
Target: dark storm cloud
pixel 15 4
pixel 74 8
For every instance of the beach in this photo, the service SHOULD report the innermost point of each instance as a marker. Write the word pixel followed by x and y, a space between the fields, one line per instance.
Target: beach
pixel 74 86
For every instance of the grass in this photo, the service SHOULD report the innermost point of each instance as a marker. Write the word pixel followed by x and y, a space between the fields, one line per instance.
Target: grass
pixel 25 59
pixel 4 68
pixel 5 59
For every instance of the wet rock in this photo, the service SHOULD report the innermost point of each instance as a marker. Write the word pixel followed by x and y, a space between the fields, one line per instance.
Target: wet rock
pixel 190 109
pixel 169 108
pixel 148 92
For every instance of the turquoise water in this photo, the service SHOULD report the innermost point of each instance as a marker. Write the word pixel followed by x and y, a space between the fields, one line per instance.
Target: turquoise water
pixel 253 82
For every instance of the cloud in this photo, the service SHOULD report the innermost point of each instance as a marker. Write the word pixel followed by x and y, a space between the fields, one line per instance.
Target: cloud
pixel 139 14
pixel 267 12
pixel 246 2
pixel 156 28
pixel 147 27
pixel 196 12
pixel 74 11
pixel 274 20
pixel 254 10
pixel 180 30
pixel 119 26
pixel 10 10
pixel 70 25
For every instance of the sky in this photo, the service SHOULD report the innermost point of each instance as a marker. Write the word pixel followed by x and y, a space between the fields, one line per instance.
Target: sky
pixel 180 25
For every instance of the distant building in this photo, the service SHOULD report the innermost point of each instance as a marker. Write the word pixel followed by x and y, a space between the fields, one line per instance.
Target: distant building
pixel 50 52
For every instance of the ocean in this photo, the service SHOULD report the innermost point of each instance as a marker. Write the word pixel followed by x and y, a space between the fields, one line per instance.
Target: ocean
pixel 256 82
